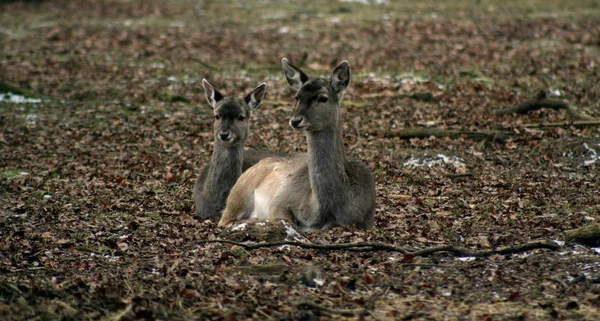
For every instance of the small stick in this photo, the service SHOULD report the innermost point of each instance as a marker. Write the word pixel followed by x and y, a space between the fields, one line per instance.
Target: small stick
pixel 538 102
pixel 374 246
pixel 409 133
pixel 313 306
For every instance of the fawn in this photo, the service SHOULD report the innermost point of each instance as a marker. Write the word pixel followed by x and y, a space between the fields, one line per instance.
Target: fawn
pixel 317 190
pixel 229 159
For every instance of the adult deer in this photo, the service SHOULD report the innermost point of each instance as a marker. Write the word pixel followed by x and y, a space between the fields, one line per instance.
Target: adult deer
pixel 229 159
pixel 317 190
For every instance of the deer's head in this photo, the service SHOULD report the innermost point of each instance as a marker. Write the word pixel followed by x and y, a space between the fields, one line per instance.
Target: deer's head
pixel 318 99
pixel 232 114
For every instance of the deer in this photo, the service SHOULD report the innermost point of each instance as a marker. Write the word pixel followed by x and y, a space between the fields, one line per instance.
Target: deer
pixel 229 160
pixel 320 189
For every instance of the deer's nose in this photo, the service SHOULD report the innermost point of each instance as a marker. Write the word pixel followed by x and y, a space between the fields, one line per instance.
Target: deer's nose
pixel 224 135
pixel 295 122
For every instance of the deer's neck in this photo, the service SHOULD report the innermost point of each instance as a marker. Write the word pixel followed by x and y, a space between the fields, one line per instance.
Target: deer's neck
pixel 326 168
pixel 225 166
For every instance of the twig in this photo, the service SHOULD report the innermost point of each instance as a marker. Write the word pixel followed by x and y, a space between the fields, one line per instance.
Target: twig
pixel 459 176
pixel 360 247
pixel 202 63
pixel 118 315
pixel 307 305
pixel 373 246
pixel 464 252
pixel 425 265
pixel 579 123
pixel 538 102
pixel 409 133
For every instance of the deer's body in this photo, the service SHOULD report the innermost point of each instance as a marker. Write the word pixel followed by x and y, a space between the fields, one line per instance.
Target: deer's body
pixel 229 159
pixel 317 190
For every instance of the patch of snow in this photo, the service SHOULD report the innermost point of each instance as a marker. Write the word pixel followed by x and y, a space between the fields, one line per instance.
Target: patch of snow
pixel 319 281
pixel 31 119
pixel 172 78
pixel 522 255
pixel 17 99
pixel 240 227
pixel 292 233
pixel 410 78
pixel 284 30
pixel 555 92
pixel 594 157
pixel 467 258
pixel 157 65
pixel 430 161
pixel 111 258
pixel 559 242
pixel 596 250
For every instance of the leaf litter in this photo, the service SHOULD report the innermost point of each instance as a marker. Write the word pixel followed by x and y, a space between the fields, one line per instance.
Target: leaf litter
pixel 118 150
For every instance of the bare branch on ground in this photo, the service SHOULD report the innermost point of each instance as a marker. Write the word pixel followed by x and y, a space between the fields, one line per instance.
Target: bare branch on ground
pixel 409 133
pixel 578 123
pixel 374 246
pixel 538 102
pixel 307 305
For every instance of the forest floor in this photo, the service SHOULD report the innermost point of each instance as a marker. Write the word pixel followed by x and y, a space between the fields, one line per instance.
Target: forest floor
pixel 99 158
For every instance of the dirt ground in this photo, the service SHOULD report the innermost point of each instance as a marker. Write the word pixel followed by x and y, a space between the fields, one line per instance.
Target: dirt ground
pixel 96 178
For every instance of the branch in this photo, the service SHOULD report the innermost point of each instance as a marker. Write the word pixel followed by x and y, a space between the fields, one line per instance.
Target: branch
pixel 409 133
pixel 204 64
pixel 538 102
pixel 356 247
pixel 579 123
pixel 374 246
pixel 588 234
pixel 464 252
pixel 307 305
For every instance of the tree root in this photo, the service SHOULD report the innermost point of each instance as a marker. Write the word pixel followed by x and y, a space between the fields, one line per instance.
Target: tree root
pixel 374 246
pixel 538 102
pixel 409 133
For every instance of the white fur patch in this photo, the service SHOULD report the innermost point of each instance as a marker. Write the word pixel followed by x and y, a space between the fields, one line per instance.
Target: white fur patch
pixel 253 103
pixel 261 205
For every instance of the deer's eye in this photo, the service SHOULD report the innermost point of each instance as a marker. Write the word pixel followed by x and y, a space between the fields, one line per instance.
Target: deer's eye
pixel 241 118
pixel 322 99
pixel 217 117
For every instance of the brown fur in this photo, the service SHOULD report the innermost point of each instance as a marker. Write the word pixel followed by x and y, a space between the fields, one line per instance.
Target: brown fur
pixel 317 190
pixel 229 159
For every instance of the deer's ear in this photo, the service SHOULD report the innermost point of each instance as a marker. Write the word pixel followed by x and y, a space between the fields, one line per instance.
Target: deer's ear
pixel 340 78
pixel 212 96
pixel 294 76
pixel 255 98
